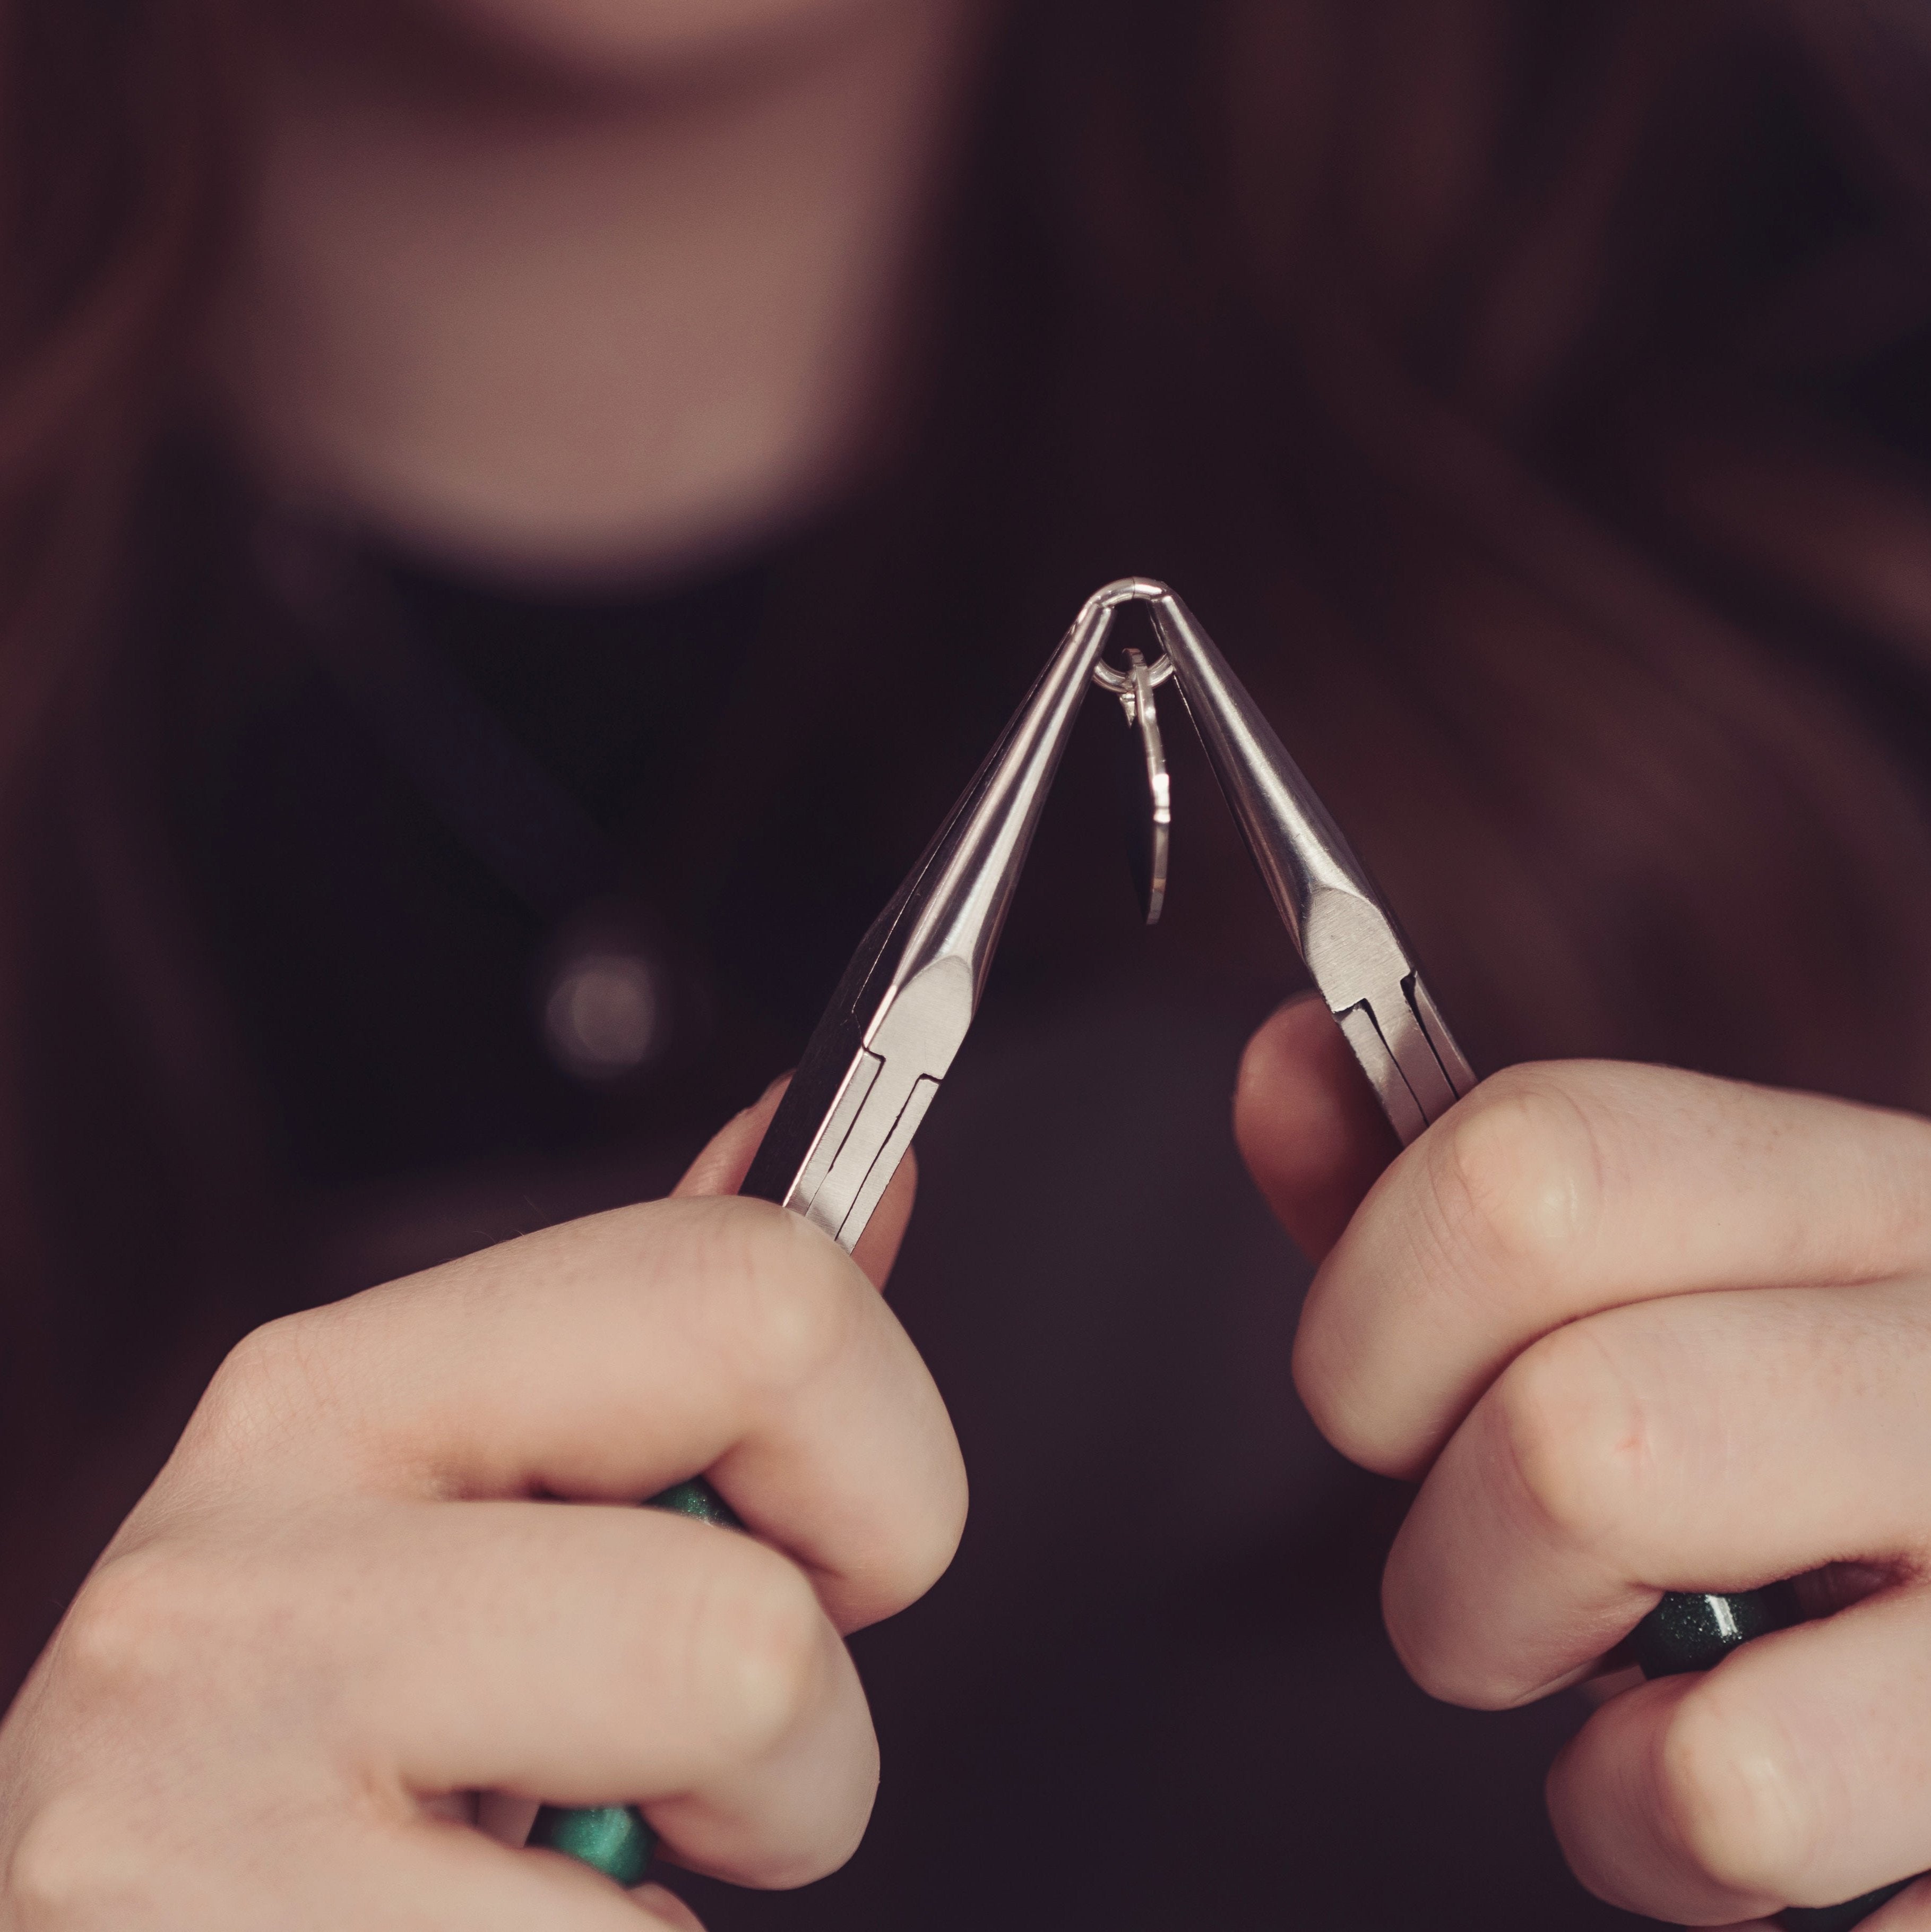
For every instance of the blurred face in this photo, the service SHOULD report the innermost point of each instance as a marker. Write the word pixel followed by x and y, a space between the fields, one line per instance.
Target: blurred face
pixel 646 40
pixel 582 285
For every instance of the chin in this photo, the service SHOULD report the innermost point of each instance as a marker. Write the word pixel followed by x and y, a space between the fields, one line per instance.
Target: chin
pixel 651 39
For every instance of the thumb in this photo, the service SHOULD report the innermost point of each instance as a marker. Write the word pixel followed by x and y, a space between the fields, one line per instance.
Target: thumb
pixel 1309 1128
pixel 727 1158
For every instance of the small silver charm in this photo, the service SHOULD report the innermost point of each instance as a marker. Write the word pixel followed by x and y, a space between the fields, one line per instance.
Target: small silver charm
pixel 1134 689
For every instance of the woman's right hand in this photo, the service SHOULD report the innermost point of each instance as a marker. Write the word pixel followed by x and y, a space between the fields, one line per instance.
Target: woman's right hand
pixel 343 1606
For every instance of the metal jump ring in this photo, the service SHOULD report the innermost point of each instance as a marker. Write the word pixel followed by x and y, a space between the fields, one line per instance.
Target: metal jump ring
pixel 1107 678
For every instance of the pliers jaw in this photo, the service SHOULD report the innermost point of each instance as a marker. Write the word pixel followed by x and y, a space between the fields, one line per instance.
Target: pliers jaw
pixel 1353 946
pixel 907 1000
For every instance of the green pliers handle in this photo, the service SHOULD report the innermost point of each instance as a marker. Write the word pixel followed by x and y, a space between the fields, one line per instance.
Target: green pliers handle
pixel 613 1839
pixel 1695 1631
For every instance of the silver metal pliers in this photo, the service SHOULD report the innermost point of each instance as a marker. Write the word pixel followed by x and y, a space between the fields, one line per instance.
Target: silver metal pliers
pixel 906 1001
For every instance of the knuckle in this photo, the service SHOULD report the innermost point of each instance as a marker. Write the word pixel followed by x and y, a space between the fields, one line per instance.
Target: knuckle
pixel 908 1546
pixel 780 1298
pixel 58 1879
pixel 1731 1793
pixel 1514 1181
pixel 1572 1438
pixel 268 1377
pixel 758 1648
pixel 129 1628
pixel 930 1541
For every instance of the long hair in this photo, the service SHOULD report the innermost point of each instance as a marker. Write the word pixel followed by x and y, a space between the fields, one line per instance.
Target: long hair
pixel 1514 365
pixel 118 133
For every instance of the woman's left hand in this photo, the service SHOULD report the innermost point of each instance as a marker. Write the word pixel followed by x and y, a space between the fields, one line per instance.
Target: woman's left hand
pixel 1636 1330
